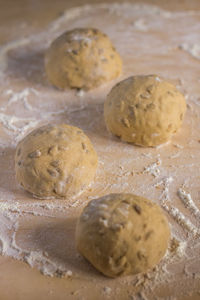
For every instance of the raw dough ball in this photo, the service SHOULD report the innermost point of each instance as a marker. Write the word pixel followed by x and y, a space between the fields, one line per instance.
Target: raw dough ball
pixel 144 110
pixel 55 161
pixel 122 234
pixel 82 58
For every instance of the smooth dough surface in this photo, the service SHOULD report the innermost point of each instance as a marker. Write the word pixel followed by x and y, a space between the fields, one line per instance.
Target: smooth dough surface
pixel 144 110
pixel 82 58
pixel 122 234
pixel 55 161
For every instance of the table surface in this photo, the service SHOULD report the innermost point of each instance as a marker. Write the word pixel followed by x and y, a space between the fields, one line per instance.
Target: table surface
pixel 42 232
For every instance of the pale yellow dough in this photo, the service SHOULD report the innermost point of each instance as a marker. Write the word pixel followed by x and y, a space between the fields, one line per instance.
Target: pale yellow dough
pixel 82 58
pixel 55 161
pixel 122 234
pixel 144 110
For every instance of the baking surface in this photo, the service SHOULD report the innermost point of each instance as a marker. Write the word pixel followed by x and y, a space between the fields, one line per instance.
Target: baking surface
pixel 40 233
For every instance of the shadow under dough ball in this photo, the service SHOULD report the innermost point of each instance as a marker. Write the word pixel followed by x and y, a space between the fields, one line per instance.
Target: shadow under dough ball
pixel 144 110
pixel 55 161
pixel 122 234
pixel 82 58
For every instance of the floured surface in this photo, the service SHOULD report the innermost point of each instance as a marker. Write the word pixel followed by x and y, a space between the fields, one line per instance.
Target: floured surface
pixel 41 233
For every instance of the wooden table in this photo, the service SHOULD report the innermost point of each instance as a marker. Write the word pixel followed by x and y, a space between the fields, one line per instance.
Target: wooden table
pixel 18 281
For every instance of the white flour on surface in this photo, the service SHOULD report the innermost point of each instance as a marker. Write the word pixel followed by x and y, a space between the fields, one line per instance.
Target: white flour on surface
pixel 165 183
pixel 140 25
pixel 20 96
pixel 153 168
pixel 193 49
pixel 188 202
pixel 181 219
pixel 28 101
pixel 10 122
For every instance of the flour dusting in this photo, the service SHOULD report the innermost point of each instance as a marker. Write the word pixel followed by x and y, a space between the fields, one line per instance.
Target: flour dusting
pixel 188 202
pixel 193 49
pixel 20 96
pixel 29 101
pixel 153 168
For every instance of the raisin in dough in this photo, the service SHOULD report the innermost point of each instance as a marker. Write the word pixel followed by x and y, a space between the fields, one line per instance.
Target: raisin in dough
pixel 55 161
pixel 122 234
pixel 82 58
pixel 144 110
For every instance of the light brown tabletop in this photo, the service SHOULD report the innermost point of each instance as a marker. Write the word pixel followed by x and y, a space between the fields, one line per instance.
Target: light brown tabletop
pixel 37 236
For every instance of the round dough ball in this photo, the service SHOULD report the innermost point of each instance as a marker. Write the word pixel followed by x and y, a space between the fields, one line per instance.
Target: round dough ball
pixel 82 58
pixel 55 161
pixel 122 234
pixel 144 110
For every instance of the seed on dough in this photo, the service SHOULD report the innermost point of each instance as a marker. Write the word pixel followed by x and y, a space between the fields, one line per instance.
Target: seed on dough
pixel 83 146
pixel 148 234
pixel 140 255
pixel 53 173
pixel 137 208
pixel 104 222
pixel 116 227
pixel 149 89
pixel 60 188
pixel 122 106
pixel 126 122
pixel 75 52
pixel 52 150
pixel 137 238
pixel 170 93
pixel 123 260
pixel 144 96
pixel 35 154
pixel 151 106
pixel 119 136
pixel 54 163
pixel 69 179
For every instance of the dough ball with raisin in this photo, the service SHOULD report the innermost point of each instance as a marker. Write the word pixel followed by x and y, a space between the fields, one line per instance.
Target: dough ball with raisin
pixel 122 234
pixel 55 161
pixel 144 110
pixel 82 58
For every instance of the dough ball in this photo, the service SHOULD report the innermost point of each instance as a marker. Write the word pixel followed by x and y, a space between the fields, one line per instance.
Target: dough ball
pixel 144 110
pixel 82 58
pixel 122 234
pixel 55 161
